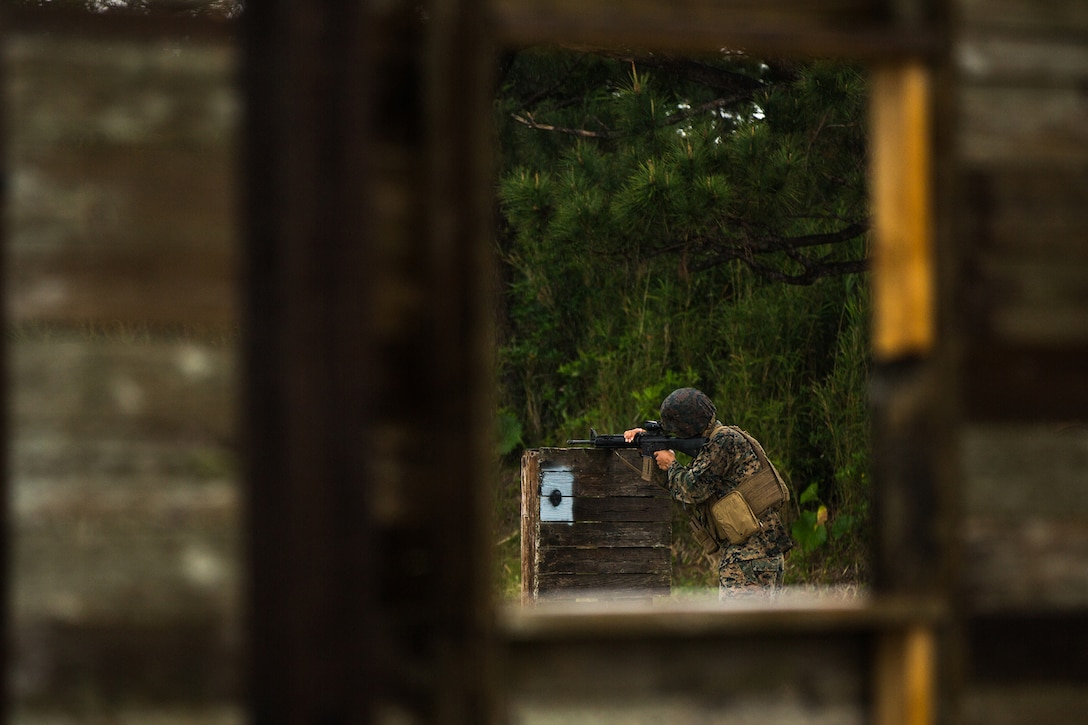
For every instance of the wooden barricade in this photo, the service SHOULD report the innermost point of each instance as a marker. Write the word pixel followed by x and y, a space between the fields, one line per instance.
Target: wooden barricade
pixel 591 526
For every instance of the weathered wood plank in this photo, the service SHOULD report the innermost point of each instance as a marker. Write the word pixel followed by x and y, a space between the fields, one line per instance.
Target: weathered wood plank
pixel 1036 300
pixel 1029 383
pixel 1030 124
pixel 132 714
pixel 1030 645
pixel 1027 666
pixel 122 203
pixel 601 472
pixel 1015 703
pixel 143 562
pixel 798 611
pixel 606 534
pixel 1023 68
pixel 1052 18
pixel 106 236
pixel 629 560
pixel 1024 209
pixel 1024 561
pixel 1022 469
pixel 128 92
pixel 622 508
pixel 1025 265
pixel 192 664
pixel 1016 58
pixel 54 455
pixel 686 679
pixel 620 482
pixel 530 522
pixel 603 583
pixel 145 389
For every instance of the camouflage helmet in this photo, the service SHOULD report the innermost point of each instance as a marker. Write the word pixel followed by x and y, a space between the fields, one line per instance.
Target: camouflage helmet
pixel 687 412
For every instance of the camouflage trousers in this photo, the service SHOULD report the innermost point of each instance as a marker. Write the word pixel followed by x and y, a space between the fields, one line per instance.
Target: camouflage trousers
pixel 750 578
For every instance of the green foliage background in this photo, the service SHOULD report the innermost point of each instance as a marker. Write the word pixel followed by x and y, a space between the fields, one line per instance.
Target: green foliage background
pixel 619 206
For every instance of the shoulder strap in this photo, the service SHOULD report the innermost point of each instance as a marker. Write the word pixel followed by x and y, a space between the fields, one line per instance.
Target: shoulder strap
pixel 763 459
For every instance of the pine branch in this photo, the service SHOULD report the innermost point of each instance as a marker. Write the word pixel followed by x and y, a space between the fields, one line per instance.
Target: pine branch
pixel 700 109
pixel 527 120
pixel 741 88
pixel 754 253
pixel 778 244
pixel 812 271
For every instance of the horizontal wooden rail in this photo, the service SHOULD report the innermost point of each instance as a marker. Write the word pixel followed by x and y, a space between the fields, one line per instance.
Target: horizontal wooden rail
pixel 845 28
pixel 684 660
pixel 792 613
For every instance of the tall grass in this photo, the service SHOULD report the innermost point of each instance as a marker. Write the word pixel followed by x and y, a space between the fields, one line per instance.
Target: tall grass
pixel 788 364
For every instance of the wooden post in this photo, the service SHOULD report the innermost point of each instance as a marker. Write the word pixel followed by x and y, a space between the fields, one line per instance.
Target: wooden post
pixel 905 664
pixel 591 526
pixel 903 277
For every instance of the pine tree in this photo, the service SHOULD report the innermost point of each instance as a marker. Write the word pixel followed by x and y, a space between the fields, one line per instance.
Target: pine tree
pixel 703 161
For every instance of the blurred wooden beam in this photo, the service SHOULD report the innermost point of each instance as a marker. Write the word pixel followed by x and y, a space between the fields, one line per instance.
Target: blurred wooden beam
pixel 905 676
pixel 845 28
pixel 903 269
pixel 132 25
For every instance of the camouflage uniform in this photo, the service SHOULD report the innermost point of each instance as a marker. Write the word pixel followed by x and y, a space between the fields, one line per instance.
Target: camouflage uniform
pixel 756 566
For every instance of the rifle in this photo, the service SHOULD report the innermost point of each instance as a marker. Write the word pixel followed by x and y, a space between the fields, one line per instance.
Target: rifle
pixel 652 440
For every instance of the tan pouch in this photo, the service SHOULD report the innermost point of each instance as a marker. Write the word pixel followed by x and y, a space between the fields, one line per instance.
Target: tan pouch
pixel 733 518
pixel 763 490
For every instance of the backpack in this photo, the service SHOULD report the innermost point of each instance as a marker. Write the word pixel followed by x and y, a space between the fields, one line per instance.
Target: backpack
pixel 735 516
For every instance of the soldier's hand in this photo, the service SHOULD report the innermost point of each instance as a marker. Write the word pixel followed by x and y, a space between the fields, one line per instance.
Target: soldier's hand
pixel 664 459
pixel 629 435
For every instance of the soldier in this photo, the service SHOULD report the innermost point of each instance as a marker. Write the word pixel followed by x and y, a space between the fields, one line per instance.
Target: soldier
pixel 754 567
